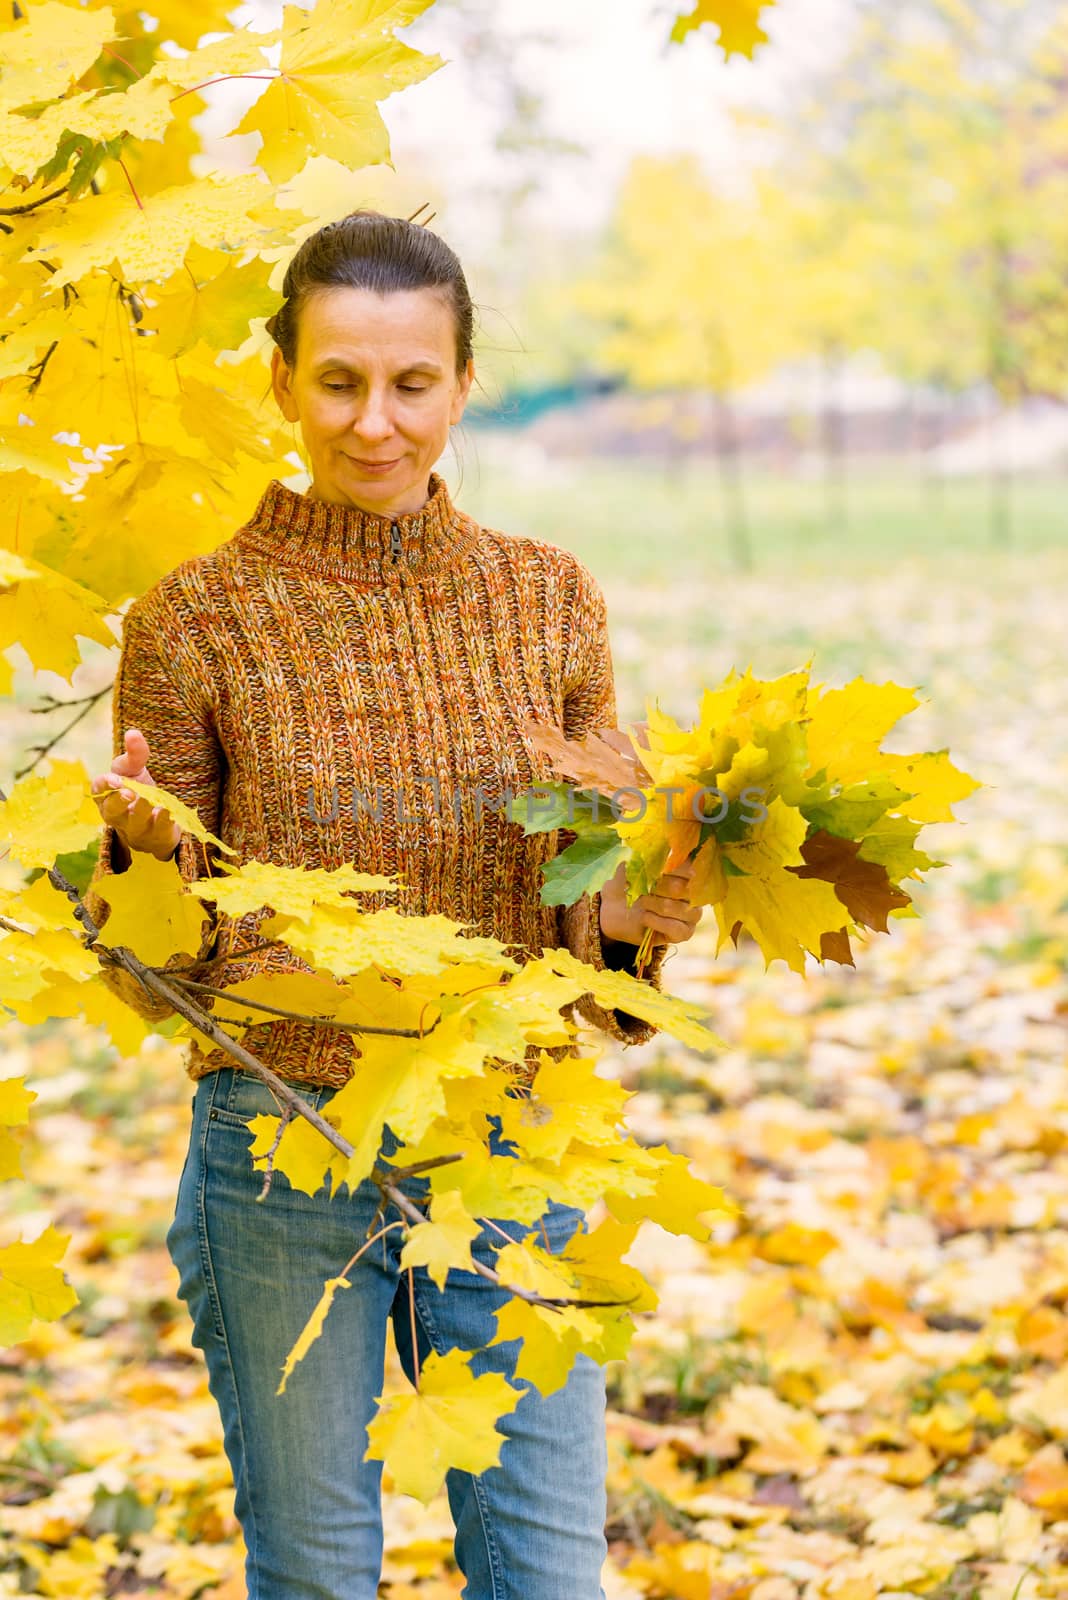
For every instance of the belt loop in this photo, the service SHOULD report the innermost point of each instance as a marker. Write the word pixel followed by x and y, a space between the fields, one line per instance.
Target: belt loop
pixel 215 1095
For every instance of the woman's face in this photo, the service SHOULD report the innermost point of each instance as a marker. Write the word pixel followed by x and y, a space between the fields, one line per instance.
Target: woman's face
pixel 375 390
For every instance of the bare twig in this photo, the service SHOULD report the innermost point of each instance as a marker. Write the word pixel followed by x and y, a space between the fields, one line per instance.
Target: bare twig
pixel 300 1016
pixel 292 1103
pixel 87 702
pixel 31 205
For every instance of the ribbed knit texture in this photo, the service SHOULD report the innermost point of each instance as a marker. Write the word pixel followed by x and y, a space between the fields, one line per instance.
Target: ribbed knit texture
pixel 304 686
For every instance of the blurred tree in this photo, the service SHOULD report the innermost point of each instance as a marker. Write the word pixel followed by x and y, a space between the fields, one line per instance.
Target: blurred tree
pixel 943 134
pixel 689 297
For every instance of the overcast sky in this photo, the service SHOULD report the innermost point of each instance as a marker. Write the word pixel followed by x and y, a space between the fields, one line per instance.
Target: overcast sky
pixel 610 82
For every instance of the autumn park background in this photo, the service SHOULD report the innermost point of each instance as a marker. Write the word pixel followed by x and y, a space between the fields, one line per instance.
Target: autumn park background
pixel 774 334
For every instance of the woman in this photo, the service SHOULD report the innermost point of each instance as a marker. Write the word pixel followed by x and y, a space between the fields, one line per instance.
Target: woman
pixel 302 686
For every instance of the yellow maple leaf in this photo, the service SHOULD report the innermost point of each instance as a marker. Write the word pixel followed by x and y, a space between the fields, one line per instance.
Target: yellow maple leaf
pixel 51 954
pixel 151 911
pixel 346 941
pixel 846 727
pixel 211 299
pixel 92 1002
pixel 621 990
pixel 450 1422
pixel 551 1340
pixel 489 1185
pixel 708 884
pixel 788 1438
pixel 15 1101
pixel 933 782
pixel 40 905
pixel 304 1155
pixel 678 1200
pixel 312 1328
pixel 796 1245
pixel 50 48
pixel 444 1241
pixel 600 1273
pixel 32 1284
pixel 143 111
pixel 234 55
pixel 568 1101
pixel 150 240
pixel 185 816
pixel 293 892
pixel 525 1265
pixel 44 817
pixel 394 1080
pixel 738 21
pixel 45 617
pixel 786 915
pixel 338 60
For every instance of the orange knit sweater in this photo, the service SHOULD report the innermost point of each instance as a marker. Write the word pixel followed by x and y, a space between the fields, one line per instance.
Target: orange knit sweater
pixel 332 686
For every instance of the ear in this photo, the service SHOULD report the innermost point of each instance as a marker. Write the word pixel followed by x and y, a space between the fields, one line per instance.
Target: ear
pixel 282 386
pixel 456 410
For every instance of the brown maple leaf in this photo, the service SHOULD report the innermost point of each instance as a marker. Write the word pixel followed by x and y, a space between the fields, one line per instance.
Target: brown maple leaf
pixel 863 887
pixel 603 760
pixel 836 947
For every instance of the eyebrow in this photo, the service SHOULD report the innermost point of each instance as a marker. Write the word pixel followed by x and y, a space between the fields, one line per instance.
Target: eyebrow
pixel 431 367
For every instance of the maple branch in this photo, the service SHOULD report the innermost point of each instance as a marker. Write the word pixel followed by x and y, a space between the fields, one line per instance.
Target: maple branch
pixel 38 367
pixel 31 205
pixel 124 957
pixel 287 1097
pixel 87 702
pixel 300 1016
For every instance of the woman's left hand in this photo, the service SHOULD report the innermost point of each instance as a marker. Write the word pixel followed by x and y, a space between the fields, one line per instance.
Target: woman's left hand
pixel 667 911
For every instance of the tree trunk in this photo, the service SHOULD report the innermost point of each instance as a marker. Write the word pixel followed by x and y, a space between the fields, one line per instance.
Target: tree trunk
pixel 834 444
pixel 730 474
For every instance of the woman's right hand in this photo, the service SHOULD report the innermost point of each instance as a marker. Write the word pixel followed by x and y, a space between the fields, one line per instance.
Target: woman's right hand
pixel 139 825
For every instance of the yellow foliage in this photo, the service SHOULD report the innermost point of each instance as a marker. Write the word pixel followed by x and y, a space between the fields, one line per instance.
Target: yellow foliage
pixel 444 1241
pixel 450 1422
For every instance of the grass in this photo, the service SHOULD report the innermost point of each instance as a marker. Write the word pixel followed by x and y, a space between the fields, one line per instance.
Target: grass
pixel 638 519
pixel 913 590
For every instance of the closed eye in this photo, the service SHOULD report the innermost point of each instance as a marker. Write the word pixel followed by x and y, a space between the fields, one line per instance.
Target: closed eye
pixel 409 388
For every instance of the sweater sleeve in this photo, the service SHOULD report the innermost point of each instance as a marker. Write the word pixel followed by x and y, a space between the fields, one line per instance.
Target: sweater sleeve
pixel 162 689
pixel 589 703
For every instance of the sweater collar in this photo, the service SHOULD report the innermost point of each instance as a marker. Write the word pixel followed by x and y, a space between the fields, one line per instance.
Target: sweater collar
pixel 339 541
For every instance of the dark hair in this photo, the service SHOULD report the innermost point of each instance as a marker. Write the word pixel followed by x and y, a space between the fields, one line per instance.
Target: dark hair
pixel 369 250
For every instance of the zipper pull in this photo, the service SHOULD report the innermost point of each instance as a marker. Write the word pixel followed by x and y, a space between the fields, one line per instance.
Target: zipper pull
pixel 394 534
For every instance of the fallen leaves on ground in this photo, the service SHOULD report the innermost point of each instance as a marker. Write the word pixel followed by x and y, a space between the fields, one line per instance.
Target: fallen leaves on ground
pixel 858 1390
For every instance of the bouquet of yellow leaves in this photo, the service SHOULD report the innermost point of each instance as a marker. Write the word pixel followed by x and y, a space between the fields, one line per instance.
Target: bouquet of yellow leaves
pixel 800 828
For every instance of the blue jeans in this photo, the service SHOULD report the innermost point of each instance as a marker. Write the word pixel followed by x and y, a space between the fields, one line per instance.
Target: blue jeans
pixel 530 1528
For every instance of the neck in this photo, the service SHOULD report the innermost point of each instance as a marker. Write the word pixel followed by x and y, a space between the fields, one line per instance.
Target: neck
pixel 407 506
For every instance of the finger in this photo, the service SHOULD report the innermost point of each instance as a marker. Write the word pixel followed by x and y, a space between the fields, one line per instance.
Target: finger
pixel 137 820
pixel 680 910
pixel 117 787
pixel 669 930
pixel 136 745
pixel 112 807
pixel 133 762
pixel 673 886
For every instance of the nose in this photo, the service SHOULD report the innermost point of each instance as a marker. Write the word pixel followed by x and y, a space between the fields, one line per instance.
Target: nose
pixel 373 420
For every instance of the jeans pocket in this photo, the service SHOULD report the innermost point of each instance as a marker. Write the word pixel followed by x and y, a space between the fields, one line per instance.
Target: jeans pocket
pixel 241 1095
